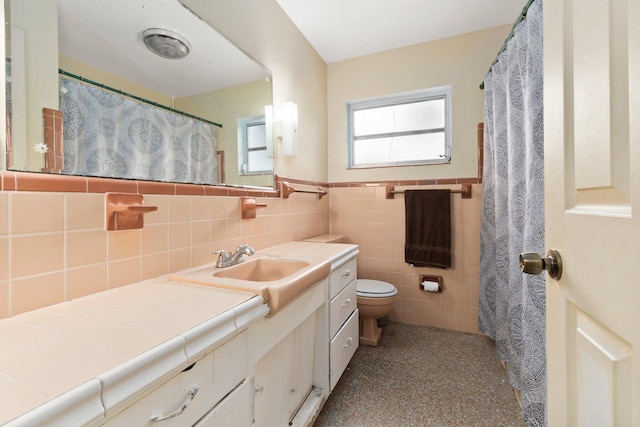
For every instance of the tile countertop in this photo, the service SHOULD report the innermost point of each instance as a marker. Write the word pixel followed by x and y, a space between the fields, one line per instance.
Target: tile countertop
pixel 314 251
pixel 335 253
pixel 86 354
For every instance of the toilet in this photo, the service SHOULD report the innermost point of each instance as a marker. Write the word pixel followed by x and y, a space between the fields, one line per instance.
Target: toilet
pixel 375 300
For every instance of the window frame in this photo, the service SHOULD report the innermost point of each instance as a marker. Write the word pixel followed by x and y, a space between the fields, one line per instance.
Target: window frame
pixel 243 144
pixel 442 92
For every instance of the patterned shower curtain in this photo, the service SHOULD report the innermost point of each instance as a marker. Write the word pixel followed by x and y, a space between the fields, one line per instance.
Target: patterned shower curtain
pixel 110 135
pixel 512 304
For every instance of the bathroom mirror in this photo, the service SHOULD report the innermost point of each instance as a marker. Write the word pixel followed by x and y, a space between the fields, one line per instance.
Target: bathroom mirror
pixel 54 47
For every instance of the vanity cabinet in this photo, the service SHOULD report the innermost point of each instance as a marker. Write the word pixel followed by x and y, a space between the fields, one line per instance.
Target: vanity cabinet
pixel 234 363
pixel 213 387
pixel 277 372
pixel 343 318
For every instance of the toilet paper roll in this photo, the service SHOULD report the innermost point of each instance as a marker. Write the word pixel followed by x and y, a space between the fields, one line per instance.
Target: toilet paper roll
pixel 430 286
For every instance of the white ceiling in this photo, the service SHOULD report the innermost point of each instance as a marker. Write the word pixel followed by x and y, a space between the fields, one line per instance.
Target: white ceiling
pixel 343 29
pixel 107 35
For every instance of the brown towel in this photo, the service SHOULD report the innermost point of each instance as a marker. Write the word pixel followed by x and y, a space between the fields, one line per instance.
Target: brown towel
pixel 428 228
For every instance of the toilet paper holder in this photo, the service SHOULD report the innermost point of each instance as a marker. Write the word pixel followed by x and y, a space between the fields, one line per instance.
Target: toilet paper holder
pixel 430 283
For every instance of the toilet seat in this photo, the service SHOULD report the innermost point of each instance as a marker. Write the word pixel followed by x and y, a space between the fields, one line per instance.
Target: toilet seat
pixel 374 288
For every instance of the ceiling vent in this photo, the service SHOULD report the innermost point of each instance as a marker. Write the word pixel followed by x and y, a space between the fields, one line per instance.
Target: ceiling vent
pixel 165 43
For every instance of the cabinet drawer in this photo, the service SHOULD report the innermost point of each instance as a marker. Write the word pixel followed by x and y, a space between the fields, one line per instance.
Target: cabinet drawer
pixel 342 347
pixel 235 410
pixel 341 307
pixel 212 377
pixel 342 276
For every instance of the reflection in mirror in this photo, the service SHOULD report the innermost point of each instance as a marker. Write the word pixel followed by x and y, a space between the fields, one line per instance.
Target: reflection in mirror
pixel 139 130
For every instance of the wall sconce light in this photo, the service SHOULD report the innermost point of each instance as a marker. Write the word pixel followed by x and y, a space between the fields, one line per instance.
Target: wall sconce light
pixel 290 129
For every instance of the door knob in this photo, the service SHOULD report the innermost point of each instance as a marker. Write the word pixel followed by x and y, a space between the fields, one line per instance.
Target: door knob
pixel 532 263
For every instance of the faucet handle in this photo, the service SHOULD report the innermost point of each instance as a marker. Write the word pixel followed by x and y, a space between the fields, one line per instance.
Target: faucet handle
pixel 222 255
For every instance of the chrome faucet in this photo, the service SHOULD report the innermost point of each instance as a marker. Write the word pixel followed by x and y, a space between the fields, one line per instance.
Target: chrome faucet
pixel 225 260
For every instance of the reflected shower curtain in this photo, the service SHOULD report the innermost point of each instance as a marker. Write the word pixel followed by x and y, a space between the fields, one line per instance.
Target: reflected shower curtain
pixel 110 135
pixel 512 304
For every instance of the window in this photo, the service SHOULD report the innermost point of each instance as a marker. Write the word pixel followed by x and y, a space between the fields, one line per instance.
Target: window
pixel 400 130
pixel 252 147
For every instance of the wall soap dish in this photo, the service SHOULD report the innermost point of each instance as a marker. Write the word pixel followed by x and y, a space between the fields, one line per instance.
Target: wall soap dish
pixel 248 207
pixel 125 211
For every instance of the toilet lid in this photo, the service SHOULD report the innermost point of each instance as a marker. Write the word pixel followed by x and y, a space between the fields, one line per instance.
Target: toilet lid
pixel 375 288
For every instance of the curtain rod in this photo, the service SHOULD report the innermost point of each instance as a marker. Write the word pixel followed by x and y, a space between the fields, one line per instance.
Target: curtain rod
pixel 521 17
pixel 137 98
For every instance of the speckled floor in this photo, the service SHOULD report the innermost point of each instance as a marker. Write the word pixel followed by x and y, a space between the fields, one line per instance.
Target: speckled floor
pixel 423 376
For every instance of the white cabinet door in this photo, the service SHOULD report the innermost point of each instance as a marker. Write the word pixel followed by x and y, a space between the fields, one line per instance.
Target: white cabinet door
pixel 342 276
pixel 181 401
pixel 284 376
pixel 272 385
pixel 342 348
pixel 235 410
pixel 185 398
pixel 341 307
pixel 301 378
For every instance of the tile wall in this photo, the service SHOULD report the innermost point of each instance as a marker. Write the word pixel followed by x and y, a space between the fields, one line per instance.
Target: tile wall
pixel 364 215
pixel 54 247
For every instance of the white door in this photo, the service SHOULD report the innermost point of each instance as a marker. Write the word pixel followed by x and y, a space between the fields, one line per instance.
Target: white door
pixel 592 196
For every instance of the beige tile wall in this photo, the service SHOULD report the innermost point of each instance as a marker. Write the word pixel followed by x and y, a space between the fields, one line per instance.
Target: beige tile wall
pixel 366 217
pixel 53 245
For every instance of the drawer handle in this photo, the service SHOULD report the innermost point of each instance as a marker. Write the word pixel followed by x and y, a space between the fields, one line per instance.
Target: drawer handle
pixel 346 273
pixel 349 341
pixel 346 303
pixel 187 401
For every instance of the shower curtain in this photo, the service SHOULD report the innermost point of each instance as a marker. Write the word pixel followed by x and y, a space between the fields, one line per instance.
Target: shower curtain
pixel 512 304
pixel 110 135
